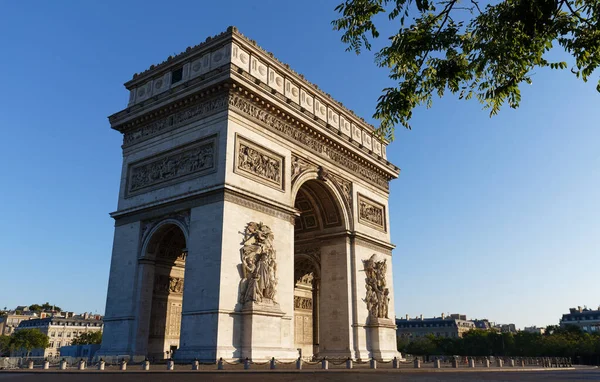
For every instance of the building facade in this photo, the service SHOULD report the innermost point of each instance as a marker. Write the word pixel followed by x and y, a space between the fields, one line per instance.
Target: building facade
pixel 10 322
pixel 60 330
pixel 586 319
pixel 451 326
pixel 253 215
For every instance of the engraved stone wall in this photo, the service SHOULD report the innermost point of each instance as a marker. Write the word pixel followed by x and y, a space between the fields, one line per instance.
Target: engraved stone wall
pixel 175 120
pixel 308 141
pixel 258 163
pixel 175 166
pixel 371 213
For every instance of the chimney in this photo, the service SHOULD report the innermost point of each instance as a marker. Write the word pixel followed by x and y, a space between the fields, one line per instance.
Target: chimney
pixel 579 308
pixel 421 316
pixel 443 316
pixel 407 316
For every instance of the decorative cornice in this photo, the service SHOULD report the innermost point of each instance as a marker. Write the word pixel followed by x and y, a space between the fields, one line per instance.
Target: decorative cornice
pixel 307 137
pixel 258 205
pixel 381 247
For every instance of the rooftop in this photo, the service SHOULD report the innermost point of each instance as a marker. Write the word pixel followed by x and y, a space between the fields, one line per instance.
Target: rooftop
pixel 231 33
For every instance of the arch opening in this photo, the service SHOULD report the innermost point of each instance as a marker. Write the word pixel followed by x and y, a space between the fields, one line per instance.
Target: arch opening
pixel 319 214
pixel 167 251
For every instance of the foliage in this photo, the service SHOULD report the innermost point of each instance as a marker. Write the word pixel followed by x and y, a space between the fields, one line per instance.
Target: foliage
pixel 4 345
pixel 557 342
pixel 88 338
pixel 44 307
pixel 28 339
pixel 472 50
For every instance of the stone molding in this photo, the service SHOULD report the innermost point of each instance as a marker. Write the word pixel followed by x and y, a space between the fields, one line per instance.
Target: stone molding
pixel 258 163
pixel 174 166
pixel 183 114
pixel 255 204
pixel 147 226
pixel 308 139
pixel 233 48
pixel 379 247
pixel 371 213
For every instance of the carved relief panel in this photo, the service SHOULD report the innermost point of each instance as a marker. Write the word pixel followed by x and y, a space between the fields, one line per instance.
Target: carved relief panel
pixel 371 213
pixel 258 163
pixel 177 165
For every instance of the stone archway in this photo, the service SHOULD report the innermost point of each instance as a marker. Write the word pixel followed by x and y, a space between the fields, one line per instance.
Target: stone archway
pixel 167 252
pixel 319 229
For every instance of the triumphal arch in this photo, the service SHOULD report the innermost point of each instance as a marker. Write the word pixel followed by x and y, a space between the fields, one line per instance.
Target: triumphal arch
pixel 252 218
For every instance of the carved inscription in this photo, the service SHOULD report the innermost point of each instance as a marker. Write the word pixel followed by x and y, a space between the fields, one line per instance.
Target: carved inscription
pixel 371 213
pixel 305 139
pixel 166 284
pixel 175 120
pixel 377 294
pixel 303 303
pixel 177 165
pixel 259 163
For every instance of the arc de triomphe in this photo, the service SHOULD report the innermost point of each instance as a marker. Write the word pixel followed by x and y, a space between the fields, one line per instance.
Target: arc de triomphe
pixel 252 218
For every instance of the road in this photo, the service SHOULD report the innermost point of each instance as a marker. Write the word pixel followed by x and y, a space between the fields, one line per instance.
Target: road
pixel 587 374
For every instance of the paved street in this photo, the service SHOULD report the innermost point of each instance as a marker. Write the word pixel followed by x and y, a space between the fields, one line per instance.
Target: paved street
pixel 316 376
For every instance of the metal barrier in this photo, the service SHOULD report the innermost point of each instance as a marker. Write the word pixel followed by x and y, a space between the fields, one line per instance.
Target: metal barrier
pixel 141 363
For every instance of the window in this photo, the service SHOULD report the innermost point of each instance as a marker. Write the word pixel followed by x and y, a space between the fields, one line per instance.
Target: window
pixel 69 334
pixel 52 334
pixel 60 334
pixel 176 75
pixel 51 344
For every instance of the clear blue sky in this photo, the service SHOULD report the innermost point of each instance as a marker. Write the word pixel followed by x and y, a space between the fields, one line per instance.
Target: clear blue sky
pixel 495 218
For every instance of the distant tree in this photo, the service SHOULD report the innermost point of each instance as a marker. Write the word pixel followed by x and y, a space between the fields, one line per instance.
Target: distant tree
pixel 474 49
pixel 5 345
pixel 44 307
pixel 88 338
pixel 29 339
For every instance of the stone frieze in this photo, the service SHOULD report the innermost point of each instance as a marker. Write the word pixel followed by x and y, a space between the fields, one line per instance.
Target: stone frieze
pixel 258 163
pixel 306 140
pixel 371 213
pixel 177 165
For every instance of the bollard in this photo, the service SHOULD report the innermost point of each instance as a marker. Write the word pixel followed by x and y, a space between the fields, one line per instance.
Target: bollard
pixel 220 364
pixel 101 364
pixel 522 363
pixel 196 364
pixel 146 364
pixel 499 362
pixel 170 364
pixel 272 363
pixel 373 363
pixel 396 363
pixel 63 364
pixel 325 364
pixel 486 363
pixel 437 364
pixel 417 363
pixel 30 364
pixel 471 362
pixel 123 365
pixel 81 364
pixel 454 363
pixel 349 363
pixel 46 364
pixel 299 363
pixel 512 362
pixel 246 364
